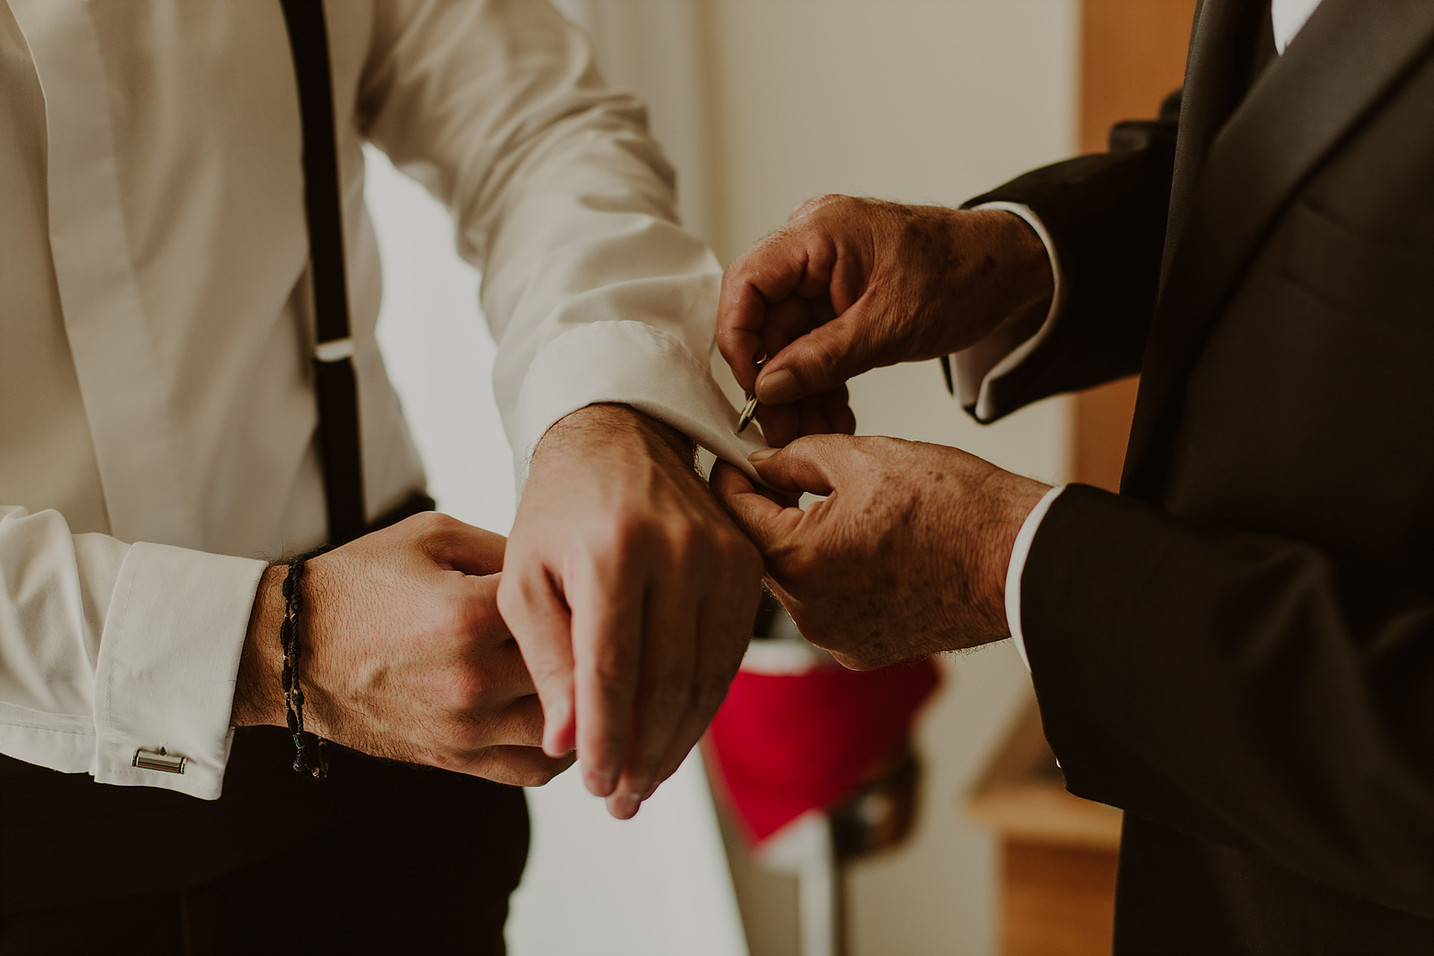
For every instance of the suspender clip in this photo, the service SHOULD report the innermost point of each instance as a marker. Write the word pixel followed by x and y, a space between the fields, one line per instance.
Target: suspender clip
pixel 335 350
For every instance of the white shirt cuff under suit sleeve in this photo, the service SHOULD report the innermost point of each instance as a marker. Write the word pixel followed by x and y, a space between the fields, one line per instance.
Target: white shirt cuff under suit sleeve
pixel 998 353
pixel 1019 552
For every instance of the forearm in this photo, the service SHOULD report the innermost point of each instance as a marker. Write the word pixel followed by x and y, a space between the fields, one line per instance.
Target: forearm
pixel 606 422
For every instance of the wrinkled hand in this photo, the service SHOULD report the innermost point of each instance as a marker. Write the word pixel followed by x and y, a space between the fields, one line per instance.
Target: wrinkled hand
pixel 853 284
pixel 632 596
pixel 405 655
pixel 907 554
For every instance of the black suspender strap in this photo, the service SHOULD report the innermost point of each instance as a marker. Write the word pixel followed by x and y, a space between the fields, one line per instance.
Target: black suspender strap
pixel 334 379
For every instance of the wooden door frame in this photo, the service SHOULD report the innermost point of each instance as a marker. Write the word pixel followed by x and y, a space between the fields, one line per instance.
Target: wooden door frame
pixel 1132 53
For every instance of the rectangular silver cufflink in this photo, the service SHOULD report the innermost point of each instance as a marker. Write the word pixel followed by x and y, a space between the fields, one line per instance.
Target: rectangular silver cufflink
pixel 167 762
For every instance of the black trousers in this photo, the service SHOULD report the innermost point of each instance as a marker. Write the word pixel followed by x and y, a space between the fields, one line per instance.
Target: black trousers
pixel 430 873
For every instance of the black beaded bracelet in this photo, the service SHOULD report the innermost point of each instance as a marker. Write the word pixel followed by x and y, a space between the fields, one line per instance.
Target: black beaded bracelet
pixel 309 755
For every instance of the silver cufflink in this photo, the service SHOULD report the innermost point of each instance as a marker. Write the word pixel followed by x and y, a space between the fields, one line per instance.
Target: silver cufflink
pixel 161 760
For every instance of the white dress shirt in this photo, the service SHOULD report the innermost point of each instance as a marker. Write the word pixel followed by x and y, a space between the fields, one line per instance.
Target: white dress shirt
pixel 156 410
pixel 981 364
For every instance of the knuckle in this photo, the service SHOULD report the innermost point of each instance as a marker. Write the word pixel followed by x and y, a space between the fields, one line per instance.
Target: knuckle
pixel 615 666
pixel 686 545
pixel 670 694
pixel 734 276
pixel 451 694
pixel 470 687
pixel 517 592
pixel 432 524
pixel 824 357
pixel 537 776
pixel 813 205
pixel 548 672
pixel 455 619
pixel 729 344
pixel 616 538
pixel 444 759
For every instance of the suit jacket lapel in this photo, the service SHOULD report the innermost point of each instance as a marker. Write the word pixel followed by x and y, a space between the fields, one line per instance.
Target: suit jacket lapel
pixel 1210 93
pixel 1334 71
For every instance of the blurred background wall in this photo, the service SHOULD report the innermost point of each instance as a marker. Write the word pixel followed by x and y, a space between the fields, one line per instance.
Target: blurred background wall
pixel 762 104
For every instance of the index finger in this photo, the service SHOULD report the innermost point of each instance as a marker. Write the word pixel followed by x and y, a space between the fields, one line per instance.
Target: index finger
pixel 765 521
pixel 540 622
pixel 770 271
pixel 607 617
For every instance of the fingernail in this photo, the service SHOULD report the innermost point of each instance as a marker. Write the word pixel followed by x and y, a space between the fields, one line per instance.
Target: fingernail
pixel 761 455
pixel 778 388
pixel 624 805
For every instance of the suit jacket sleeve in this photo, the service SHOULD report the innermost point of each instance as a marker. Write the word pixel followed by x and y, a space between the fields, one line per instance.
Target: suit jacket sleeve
pixel 1106 213
pixel 1247 688
pixel 1262 689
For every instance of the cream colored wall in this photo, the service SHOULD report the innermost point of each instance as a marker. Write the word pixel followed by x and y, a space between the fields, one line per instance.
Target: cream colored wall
pixel 920 101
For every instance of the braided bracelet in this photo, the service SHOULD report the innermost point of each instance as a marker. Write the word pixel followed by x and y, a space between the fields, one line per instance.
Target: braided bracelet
pixel 309 756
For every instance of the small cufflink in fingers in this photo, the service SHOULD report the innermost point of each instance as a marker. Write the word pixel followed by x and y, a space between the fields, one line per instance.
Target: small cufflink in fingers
pixel 749 410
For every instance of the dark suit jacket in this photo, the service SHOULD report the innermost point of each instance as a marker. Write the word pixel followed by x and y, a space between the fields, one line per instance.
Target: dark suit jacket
pixel 1239 649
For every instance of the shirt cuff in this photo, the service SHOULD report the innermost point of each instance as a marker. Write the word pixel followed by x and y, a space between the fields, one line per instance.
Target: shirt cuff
pixel 634 364
pixel 1019 552
pixel 1001 351
pixel 164 680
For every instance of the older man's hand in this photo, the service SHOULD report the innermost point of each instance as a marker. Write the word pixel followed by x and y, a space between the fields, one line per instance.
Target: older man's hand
pixel 906 556
pixel 852 284
pixel 631 594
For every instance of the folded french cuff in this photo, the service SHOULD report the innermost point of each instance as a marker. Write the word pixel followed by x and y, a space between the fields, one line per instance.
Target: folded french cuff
pixel 1020 551
pixel 164 684
pixel 977 368
pixel 633 364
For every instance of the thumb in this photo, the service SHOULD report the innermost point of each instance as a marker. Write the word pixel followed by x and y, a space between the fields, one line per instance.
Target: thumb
pixel 821 360
pixel 814 464
pixel 763 520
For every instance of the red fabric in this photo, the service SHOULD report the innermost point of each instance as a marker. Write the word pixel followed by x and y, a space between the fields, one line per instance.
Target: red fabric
pixel 789 743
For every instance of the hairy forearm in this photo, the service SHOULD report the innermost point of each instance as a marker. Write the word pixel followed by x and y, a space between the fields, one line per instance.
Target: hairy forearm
pixel 607 422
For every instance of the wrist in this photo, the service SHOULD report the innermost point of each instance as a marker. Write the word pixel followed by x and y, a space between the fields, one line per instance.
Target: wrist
pixel 606 423
pixel 258 699
pixel 1012 499
pixel 1015 282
